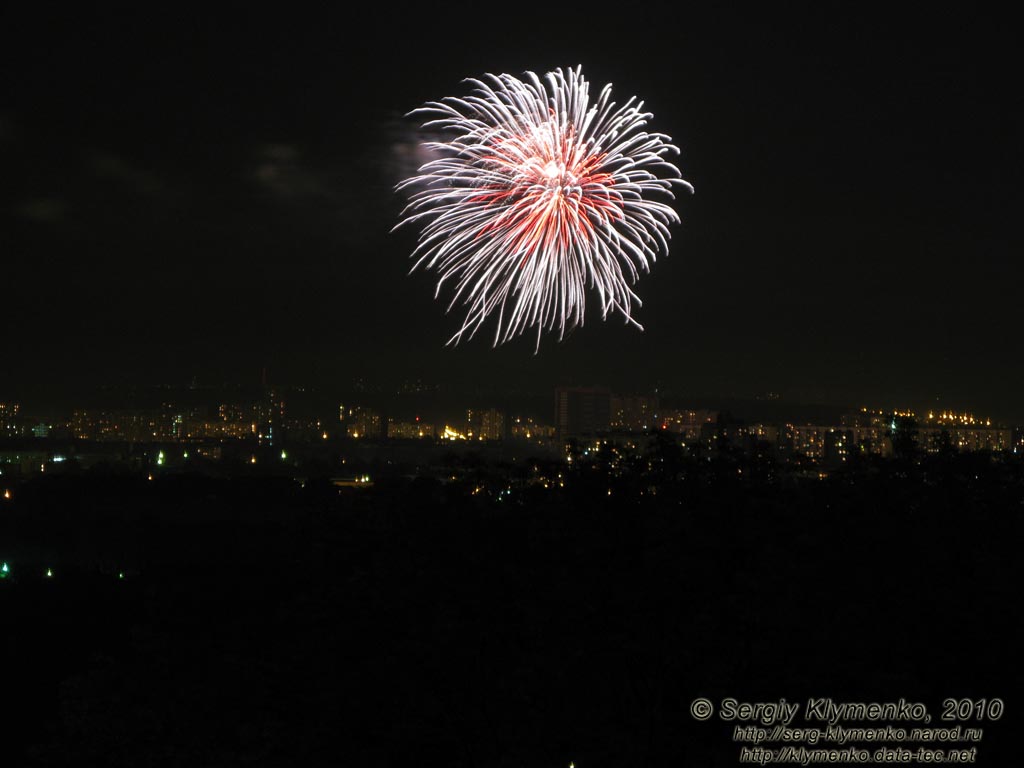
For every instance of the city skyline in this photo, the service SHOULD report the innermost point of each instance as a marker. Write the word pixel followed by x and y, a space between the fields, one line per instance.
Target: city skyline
pixel 401 396
pixel 282 416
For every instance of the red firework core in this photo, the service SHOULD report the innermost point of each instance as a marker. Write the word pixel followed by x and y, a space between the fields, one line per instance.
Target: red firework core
pixel 551 188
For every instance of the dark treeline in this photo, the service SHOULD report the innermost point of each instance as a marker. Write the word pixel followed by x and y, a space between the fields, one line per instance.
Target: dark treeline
pixel 204 621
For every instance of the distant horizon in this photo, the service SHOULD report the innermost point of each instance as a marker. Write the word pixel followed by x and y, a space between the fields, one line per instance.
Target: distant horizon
pixel 391 395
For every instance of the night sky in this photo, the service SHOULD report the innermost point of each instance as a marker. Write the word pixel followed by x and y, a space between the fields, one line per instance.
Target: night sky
pixel 202 195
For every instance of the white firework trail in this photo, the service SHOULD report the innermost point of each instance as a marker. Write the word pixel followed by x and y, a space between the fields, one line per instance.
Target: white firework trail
pixel 538 196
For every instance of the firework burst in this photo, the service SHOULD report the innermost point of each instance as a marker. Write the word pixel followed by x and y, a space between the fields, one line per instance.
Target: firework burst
pixel 539 195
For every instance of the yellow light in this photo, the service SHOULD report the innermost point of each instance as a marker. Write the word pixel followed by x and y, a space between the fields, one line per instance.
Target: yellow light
pixel 252 459
pixel 7 494
pixel 324 435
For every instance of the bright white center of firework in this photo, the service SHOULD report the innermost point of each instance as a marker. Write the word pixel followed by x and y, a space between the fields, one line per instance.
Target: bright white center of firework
pixel 556 177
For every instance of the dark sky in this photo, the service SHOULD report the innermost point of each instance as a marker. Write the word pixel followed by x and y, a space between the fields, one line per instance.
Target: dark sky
pixel 203 194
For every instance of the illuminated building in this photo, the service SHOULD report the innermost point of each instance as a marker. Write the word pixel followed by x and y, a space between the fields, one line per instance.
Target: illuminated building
pixel 933 439
pixel 492 425
pixel 232 412
pixel 528 429
pixel 834 443
pixel 483 425
pixel 91 425
pixel 124 426
pixel 767 433
pixel 633 413
pixel 409 430
pixel 361 423
pixel 582 412
pixel 809 439
pixel 200 428
pixel 687 423
pixel 269 413
pixel 9 419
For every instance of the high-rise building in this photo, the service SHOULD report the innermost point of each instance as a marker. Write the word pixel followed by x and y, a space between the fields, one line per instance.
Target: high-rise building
pixel 409 430
pixel 492 425
pixel 484 424
pixel 634 413
pixel 9 426
pixel 360 422
pixel 581 412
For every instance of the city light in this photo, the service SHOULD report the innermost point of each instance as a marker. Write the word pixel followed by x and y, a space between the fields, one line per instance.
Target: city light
pixel 450 433
pixel 598 421
pixel 965 419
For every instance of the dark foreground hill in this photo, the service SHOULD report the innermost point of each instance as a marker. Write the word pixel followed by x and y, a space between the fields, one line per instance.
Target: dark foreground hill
pixel 194 621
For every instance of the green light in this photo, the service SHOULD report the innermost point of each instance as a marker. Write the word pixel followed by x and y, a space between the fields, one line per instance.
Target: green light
pixel 160 459
pixel 4 570
pixel 49 573
pixel 284 455
pixel 120 574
